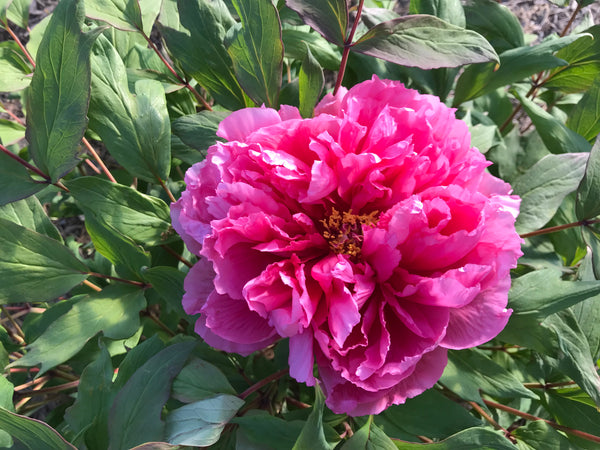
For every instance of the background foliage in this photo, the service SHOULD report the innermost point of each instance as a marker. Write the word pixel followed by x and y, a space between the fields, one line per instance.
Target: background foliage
pixel 121 96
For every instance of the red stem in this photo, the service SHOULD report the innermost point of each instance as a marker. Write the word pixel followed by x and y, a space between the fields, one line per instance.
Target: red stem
pixel 347 45
pixel 122 280
pixel 559 228
pixel 20 44
pixel 255 387
pixel 24 163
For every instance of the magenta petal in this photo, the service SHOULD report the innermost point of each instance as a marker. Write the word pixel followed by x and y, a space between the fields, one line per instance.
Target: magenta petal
pixel 301 358
pixel 238 125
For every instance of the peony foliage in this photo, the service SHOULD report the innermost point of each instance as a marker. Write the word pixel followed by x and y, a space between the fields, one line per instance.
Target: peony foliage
pixel 298 224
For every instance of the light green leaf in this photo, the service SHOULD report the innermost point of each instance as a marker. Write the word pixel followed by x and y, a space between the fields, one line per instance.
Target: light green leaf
pixel 469 371
pixel 328 17
pixel 201 423
pixel 15 182
pixel 15 72
pixel 515 65
pixel 584 117
pixel 311 83
pixel 142 218
pixel 114 311
pixel 588 198
pixel 555 135
pixel 312 435
pixel 11 132
pixel 369 437
pixel 38 267
pixel 470 439
pixel 122 14
pixel 544 186
pixel 137 130
pixel 60 91
pixel 256 51
pixel 450 11
pixel 194 31
pixel 200 380
pixel 30 214
pixel 32 433
pixel 538 434
pixel 135 413
pixel 425 42
pixel 18 12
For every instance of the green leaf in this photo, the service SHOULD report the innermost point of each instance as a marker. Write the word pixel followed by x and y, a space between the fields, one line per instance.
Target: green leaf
pixel 15 182
pixel 328 17
pixel 95 394
pixel 450 11
pixel 18 12
pixel 496 23
pixel 588 203
pixel 114 311
pixel 425 42
pixel 584 117
pixel 199 131
pixel 194 31
pixel 30 214
pixel 11 132
pixel 12 75
pixel 295 42
pixel 592 240
pixel 168 283
pixel 57 103
pixel 135 413
pixel 515 65
pixel 200 380
pixel 369 437
pixel 136 358
pixel 258 429
pixel 575 415
pixel 538 434
pixel 201 423
pixel 583 57
pixel 587 314
pixel 311 83
pixel 469 371
pixel 469 439
pixel 256 51
pixel 544 186
pixel 32 433
pixel 137 130
pixel 38 267
pixel 555 135
pixel 429 414
pixel 128 257
pixel 312 435
pixel 127 15
pixel 143 218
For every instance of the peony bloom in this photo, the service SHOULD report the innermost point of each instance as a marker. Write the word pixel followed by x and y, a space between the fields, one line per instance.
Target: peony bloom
pixel 370 235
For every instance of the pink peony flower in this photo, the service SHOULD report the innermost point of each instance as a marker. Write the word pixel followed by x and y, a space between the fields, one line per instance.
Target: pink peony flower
pixel 370 235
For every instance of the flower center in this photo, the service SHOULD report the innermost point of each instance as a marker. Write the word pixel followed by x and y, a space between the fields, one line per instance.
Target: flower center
pixel 344 231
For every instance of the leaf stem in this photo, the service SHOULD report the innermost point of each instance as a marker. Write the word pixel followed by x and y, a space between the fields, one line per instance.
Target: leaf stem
pixel 20 44
pixel 92 286
pixel 14 323
pixel 160 323
pixel 495 424
pixel 548 385
pixel 194 92
pixel 12 115
pixel 255 387
pixel 559 228
pixel 167 190
pixel 25 163
pixel 122 280
pixel 95 155
pixel 51 389
pixel 516 412
pixel 347 46
pixel 177 255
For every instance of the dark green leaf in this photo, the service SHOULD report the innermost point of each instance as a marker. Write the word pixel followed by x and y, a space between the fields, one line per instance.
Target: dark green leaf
pixel 450 11
pixel 592 239
pixel 538 434
pixel 469 439
pixel 135 413
pixel 94 397
pixel 114 311
pixel 262 430
pixel 515 65
pixel 256 51
pixel 128 257
pixel 137 357
pixel 30 213
pixel 142 218
pixel 584 117
pixel 544 186
pixel 425 42
pixel 168 283
pixel 198 130
pixel 197 44
pixel 15 182
pixel 312 435
pixel 587 314
pixel 369 437
pixel 575 415
pixel 295 42
pixel 33 434
pixel 583 57
pixel 201 423
pixel 588 200
pixel 556 136
pixel 58 100
pixel 469 371
pixel 328 17
pixel 137 130
pixel 428 414
pixel 311 82
pixel 38 267
pixel 200 380
pixel 496 23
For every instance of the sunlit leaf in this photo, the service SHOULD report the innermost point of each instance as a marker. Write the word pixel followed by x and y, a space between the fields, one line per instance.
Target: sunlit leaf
pixel 311 82
pixel 328 17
